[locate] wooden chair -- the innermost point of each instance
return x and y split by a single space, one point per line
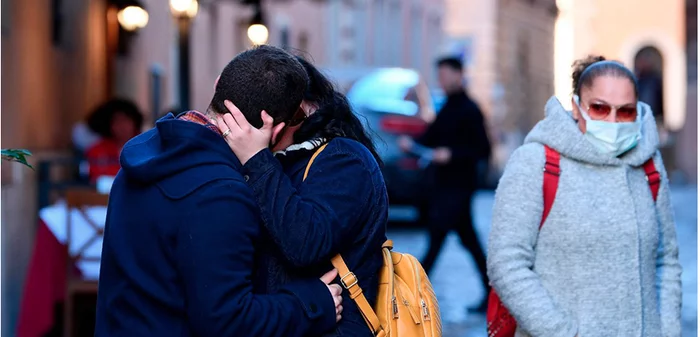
80 200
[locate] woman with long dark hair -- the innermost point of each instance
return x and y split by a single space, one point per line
334 116
338 206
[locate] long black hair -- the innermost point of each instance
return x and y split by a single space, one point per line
334 116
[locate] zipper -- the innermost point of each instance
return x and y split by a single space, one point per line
426 313
395 307
424 306
410 311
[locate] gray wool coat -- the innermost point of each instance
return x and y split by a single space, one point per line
606 260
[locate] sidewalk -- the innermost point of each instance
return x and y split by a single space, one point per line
455 273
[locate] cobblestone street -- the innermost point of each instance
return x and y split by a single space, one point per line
455 274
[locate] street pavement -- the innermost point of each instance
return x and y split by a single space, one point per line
457 284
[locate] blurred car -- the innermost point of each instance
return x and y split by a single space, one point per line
395 102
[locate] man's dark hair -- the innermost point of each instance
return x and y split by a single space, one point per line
452 62
262 78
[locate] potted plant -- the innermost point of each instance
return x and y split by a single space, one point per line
17 155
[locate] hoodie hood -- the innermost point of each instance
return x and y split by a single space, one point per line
174 146
559 131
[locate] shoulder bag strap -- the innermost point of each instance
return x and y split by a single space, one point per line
348 279
552 171
308 166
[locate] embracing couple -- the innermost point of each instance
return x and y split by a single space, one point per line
215 227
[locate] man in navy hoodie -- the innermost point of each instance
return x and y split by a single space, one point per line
182 226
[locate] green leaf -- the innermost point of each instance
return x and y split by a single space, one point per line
17 155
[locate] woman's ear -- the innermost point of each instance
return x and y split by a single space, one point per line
575 108
576 112
276 132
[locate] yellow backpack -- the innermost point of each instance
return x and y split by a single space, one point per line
406 303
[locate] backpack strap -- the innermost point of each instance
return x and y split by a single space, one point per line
552 171
653 177
348 279
550 184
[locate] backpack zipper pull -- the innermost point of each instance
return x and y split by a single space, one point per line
395 307
426 314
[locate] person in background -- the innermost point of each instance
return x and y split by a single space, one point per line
116 121
83 137
341 208
605 260
650 84
460 142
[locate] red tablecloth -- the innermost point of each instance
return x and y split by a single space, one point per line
45 285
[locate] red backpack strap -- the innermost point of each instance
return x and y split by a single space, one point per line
653 178
551 180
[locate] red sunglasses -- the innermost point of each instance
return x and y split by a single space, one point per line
624 113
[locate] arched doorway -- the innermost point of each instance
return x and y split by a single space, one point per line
649 68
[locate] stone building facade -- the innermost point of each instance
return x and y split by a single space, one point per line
509 53
349 38
61 61
624 29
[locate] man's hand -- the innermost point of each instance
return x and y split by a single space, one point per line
425 102
405 143
336 292
442 155
244 139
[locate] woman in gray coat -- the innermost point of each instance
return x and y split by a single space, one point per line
605 261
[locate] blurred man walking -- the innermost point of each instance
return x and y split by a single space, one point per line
460 144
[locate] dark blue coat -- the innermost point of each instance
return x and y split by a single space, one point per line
342 207
460 127
181 234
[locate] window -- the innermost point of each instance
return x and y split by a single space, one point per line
523 57
360 17
284 38
242 43
416 37
6 16
56 22
347 54
378 23
214 40
304 42
395 31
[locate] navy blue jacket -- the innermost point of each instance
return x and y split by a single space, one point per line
460 127
180 241
342 207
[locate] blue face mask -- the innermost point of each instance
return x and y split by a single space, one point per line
611 138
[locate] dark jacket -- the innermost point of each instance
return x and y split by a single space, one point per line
459 126
342 207
181 234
